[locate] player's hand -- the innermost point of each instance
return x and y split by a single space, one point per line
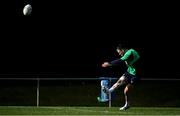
105 64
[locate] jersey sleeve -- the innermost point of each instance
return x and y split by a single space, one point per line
115 62
126 55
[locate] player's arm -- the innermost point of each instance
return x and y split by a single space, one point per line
117 61
114 62
123 58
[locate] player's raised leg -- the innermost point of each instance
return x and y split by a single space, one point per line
120 82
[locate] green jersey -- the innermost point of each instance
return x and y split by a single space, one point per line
130 57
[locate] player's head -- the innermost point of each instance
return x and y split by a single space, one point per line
121 49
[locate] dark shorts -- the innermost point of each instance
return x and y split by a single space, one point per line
131 79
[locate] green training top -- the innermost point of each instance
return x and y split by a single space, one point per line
130 57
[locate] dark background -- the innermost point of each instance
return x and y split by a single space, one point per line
73 38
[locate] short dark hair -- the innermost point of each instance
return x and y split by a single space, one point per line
122 46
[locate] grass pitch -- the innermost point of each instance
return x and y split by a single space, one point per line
26 110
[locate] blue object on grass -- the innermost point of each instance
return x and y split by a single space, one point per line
104 96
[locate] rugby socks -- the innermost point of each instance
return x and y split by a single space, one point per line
126 100
115 86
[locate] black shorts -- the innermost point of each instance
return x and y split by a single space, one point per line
131 79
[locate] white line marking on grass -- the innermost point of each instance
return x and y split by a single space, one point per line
47 107
88 110
105 112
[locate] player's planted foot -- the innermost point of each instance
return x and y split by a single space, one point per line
125 107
